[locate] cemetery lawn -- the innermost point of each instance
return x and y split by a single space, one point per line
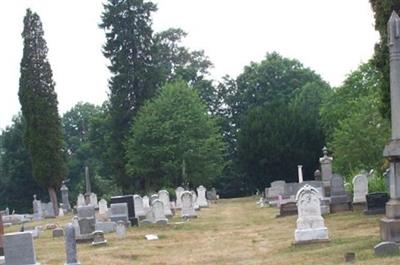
234 231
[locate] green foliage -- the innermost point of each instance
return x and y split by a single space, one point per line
377 184
357 132
171 130
17 184
382 10
43 133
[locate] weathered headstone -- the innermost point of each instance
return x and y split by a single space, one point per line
19 249
310 224
80 200
287 208
149 217
37 208
103 209
360 187
386 249
277 188
93 200
146 203
87 222
48 210
98 238
339 198
201 197
187 205
139 209
317 175
153 197
119 212
65 198
159 213
212 194
178 193
163 196
195 202
70 246
106 227
376 203
326 170
75 224
121 229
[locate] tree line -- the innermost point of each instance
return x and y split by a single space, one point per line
167 123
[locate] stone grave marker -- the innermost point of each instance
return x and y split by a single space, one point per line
195 202
326 169
129 200
159 213
106 227
48 210
287 208
81 200
187 205
103 209
163 196
98 238
360 187
93 200
70 246
75 224
65 198
310 224
139 209
87 222
19 249
146 203
376 203
58 232
153 197
201 197
178 193
121 229
37 208
119 212
339 199
149 218
386 249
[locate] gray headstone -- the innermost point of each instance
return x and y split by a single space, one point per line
121 229
70 246
386 248
119 212
65 198
201 197
98 238
360 187
106 227
187 205
18 249
163 196
326 167
58 232
139 209
158 211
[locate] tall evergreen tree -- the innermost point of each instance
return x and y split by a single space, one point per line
43 131
127 24
382 11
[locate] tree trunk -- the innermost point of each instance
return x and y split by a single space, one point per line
53 199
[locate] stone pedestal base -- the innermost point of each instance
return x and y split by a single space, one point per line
302 236
393 209
390 229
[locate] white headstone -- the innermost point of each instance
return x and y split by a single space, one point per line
93 200
146 203
120 229
201 197
360 187
178 193
139 210
103 207
187 205
310 224
163 196
81 200
195 202
158 211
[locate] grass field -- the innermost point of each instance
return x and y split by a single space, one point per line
233 231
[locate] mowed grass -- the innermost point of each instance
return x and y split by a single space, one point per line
233 231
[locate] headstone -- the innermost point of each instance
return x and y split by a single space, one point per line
390 224
93 200
310 224
163 196
277 188
119 212
19 249
159 213
287 208
339 199
195 202
360 187
326 169
121 229
75 224
58 232
87 222
212 194
376 203
178 193
98 238
300 173
70 246
201 197
60 212
106 227
37 208
48 210
317 175
81 200
139 209
153 198
103 208
187 205
149 217
1 235
146 203
386 249
128 199
65 198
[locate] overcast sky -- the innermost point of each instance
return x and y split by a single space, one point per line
330 37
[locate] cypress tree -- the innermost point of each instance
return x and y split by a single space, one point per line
129 41
43 133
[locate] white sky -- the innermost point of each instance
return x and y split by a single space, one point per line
330 37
